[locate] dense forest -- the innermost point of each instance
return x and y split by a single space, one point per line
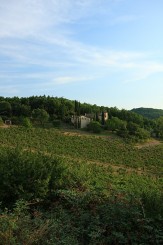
42 109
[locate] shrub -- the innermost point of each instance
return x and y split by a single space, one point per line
26 122
81 218
28 176
94 126
116 124
95 219
19 228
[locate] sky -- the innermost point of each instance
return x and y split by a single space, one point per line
103 52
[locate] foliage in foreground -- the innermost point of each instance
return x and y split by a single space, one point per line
27 175
79 219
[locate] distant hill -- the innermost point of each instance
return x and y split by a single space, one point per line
148 112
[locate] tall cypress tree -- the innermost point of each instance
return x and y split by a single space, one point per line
103 119
77 108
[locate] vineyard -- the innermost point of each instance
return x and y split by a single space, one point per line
109 189
105 150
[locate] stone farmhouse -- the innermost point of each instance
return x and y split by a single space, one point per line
80 121
83 121
105 116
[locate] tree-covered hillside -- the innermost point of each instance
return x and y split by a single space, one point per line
40 110
148 112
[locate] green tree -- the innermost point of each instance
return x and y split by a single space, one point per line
77 108
132 127
143 134
94 126
52 106
5 108
115 124
159 127
136 131
102 118
40 115
20 110
26 122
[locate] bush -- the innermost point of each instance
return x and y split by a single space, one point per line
142 133
93 218
116 124
28 176
94 126
19 228
90 218
26 122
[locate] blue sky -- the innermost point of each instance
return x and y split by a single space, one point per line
104 52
